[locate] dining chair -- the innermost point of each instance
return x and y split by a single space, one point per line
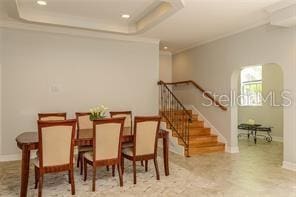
127 130
127 122
83 122
52 116
144 143
56 150
107 136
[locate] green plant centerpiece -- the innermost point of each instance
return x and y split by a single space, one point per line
98 112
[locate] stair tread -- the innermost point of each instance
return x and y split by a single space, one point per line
203 136
199 128
212 144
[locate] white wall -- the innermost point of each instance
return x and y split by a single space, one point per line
267 115
48 72
165 66
213 66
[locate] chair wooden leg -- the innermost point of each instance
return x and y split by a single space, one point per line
134 172
107 168
69 177
78 159
113 170
122 165
142 163
146 165
40 185
36 177
85 168
81 165
120 175
156 168
94 179
72 182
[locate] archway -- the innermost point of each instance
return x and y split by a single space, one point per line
277 70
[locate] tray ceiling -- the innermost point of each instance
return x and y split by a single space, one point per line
102 15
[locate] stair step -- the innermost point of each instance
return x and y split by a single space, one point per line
199 131
194 117
196 132
177 112
200 141
196 123
207 148
193 124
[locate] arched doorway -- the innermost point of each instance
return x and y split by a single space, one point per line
267 114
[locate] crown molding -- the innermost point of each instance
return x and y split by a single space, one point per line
196 44
168 53
154 12
280 5
74 32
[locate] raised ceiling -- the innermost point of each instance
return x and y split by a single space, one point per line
202 21
102 15
180 25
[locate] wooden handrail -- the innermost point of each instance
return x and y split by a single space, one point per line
202 90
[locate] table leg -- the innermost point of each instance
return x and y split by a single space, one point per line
165 141
25 170
269 138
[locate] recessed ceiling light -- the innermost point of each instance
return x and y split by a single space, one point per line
165 48
42 2
125 16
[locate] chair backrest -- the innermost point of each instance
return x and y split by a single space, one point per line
107 138
145 135
56 142
52 116
83 121
126 114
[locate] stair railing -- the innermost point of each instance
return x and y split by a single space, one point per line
175 114
217 103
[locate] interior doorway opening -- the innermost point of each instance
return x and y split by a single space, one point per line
260 106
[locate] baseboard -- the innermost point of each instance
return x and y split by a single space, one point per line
277 139
17 157
221 138
231 149
274 138
289 165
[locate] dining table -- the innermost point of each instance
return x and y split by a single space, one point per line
28 141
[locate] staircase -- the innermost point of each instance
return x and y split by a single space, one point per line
186 126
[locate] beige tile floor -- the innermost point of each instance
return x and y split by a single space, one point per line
255 171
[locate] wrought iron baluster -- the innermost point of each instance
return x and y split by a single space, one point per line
175 114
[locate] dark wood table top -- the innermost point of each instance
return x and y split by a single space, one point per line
30 139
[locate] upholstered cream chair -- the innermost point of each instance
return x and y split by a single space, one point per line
107 135
145 143
127 130
52 116
56 150
83 124
127 122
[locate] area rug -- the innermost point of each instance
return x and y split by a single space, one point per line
177 183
